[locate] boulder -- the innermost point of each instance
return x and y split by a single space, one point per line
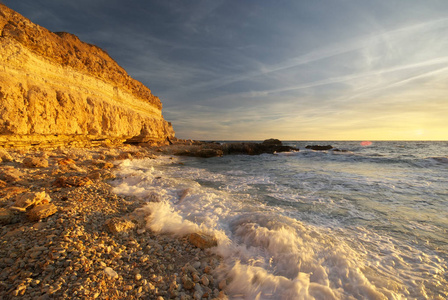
119 224
5 156
35 162
11 191
105 165
26 200
72 181
110 273
11 174
41 211
202 240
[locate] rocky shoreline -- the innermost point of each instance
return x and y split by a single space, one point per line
85 242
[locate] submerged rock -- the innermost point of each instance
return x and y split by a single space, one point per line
204 153
202 241
272 142
319 148
256 148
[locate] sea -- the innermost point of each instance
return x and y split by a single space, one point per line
369 222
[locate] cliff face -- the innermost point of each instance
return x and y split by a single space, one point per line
56 89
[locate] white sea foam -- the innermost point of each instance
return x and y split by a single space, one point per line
268 252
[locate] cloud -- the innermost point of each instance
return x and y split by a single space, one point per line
332 68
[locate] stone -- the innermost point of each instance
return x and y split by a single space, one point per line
319 147
26 200
187 282
205 281
11 191
58 90
41 211
65 161
70 181
105 165
119 224
11 174
222 284
5 156
110 273
8 216
124 155
35 162
202 241
197 295
222 296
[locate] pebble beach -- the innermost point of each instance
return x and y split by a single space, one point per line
65 235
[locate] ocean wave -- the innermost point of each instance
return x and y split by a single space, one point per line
440 159
267 252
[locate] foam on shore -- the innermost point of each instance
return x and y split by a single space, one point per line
268 255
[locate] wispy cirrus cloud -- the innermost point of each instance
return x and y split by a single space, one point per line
251 68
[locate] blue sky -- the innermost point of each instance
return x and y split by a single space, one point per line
294 70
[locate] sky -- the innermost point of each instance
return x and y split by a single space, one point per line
286 69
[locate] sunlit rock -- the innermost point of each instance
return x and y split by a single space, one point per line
57 90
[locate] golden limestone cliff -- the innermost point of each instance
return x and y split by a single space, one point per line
58 90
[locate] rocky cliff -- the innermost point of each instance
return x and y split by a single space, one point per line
58 90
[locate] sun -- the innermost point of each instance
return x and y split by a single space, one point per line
419 132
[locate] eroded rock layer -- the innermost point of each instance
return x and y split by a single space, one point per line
56 89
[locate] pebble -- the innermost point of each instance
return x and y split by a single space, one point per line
204 280
72 254
222 284
187 282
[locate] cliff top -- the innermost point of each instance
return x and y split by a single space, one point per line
68 50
